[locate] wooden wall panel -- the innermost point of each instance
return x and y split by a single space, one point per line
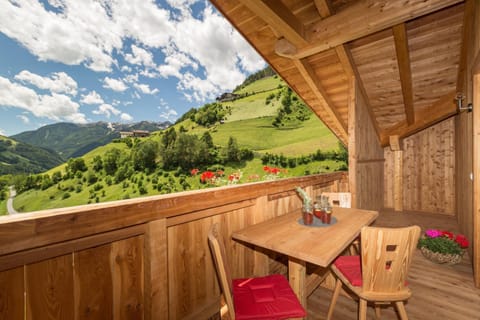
93 284
49 288
428 170
12 299
156 279
365 157
127 265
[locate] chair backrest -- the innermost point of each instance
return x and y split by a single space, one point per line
217 246
386 257
339 199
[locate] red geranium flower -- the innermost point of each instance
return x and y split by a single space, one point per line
194 172
462 241
447 234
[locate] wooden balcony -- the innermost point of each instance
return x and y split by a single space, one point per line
148 258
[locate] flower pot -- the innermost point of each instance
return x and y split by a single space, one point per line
307 218
442 258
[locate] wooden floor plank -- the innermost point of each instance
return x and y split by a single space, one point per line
439 291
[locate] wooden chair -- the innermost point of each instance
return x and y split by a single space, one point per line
343 200
379 275
269 297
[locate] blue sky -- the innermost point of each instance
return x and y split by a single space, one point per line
114 60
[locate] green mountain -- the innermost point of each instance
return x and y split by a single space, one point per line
263 125
18 157
71 140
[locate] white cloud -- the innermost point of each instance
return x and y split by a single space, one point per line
144 21
92 98
209 42
55 106
58 82
126 117
2 132
83 33
114 84
24 118
131 78
174 62
126 69
140 56
145 88
107 110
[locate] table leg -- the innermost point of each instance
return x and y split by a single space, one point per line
297 279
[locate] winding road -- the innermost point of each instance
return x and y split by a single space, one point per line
10 208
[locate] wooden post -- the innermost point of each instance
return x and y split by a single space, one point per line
398 173
352 150
476 177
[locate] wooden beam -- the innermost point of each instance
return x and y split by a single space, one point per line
476 179
467 37
442 109
363 92
311 78
280 18
403 60
323 7
395 143
363 18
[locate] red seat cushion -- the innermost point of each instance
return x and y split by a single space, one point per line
269 297
351 268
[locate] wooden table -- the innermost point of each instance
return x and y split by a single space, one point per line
302 244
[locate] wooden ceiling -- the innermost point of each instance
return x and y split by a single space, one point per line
407 57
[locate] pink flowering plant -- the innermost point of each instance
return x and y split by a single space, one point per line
444 242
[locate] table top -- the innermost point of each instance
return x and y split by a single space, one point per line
319 246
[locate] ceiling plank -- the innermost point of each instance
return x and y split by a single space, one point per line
362 18
311 78
466 40
280 18
439 111
403 60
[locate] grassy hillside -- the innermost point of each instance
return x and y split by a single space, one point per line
18 157
249 122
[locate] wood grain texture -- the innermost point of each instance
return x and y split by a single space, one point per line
12 299
93 283
156 280
428 171
368 175
126 258
49 289
476 175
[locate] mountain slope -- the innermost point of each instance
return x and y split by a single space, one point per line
18 157
71 140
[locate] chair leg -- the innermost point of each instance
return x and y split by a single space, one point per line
362 310
401 310
336 293
377 312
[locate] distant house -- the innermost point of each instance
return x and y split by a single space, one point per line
134 134
228 96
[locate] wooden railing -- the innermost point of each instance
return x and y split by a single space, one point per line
144 258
